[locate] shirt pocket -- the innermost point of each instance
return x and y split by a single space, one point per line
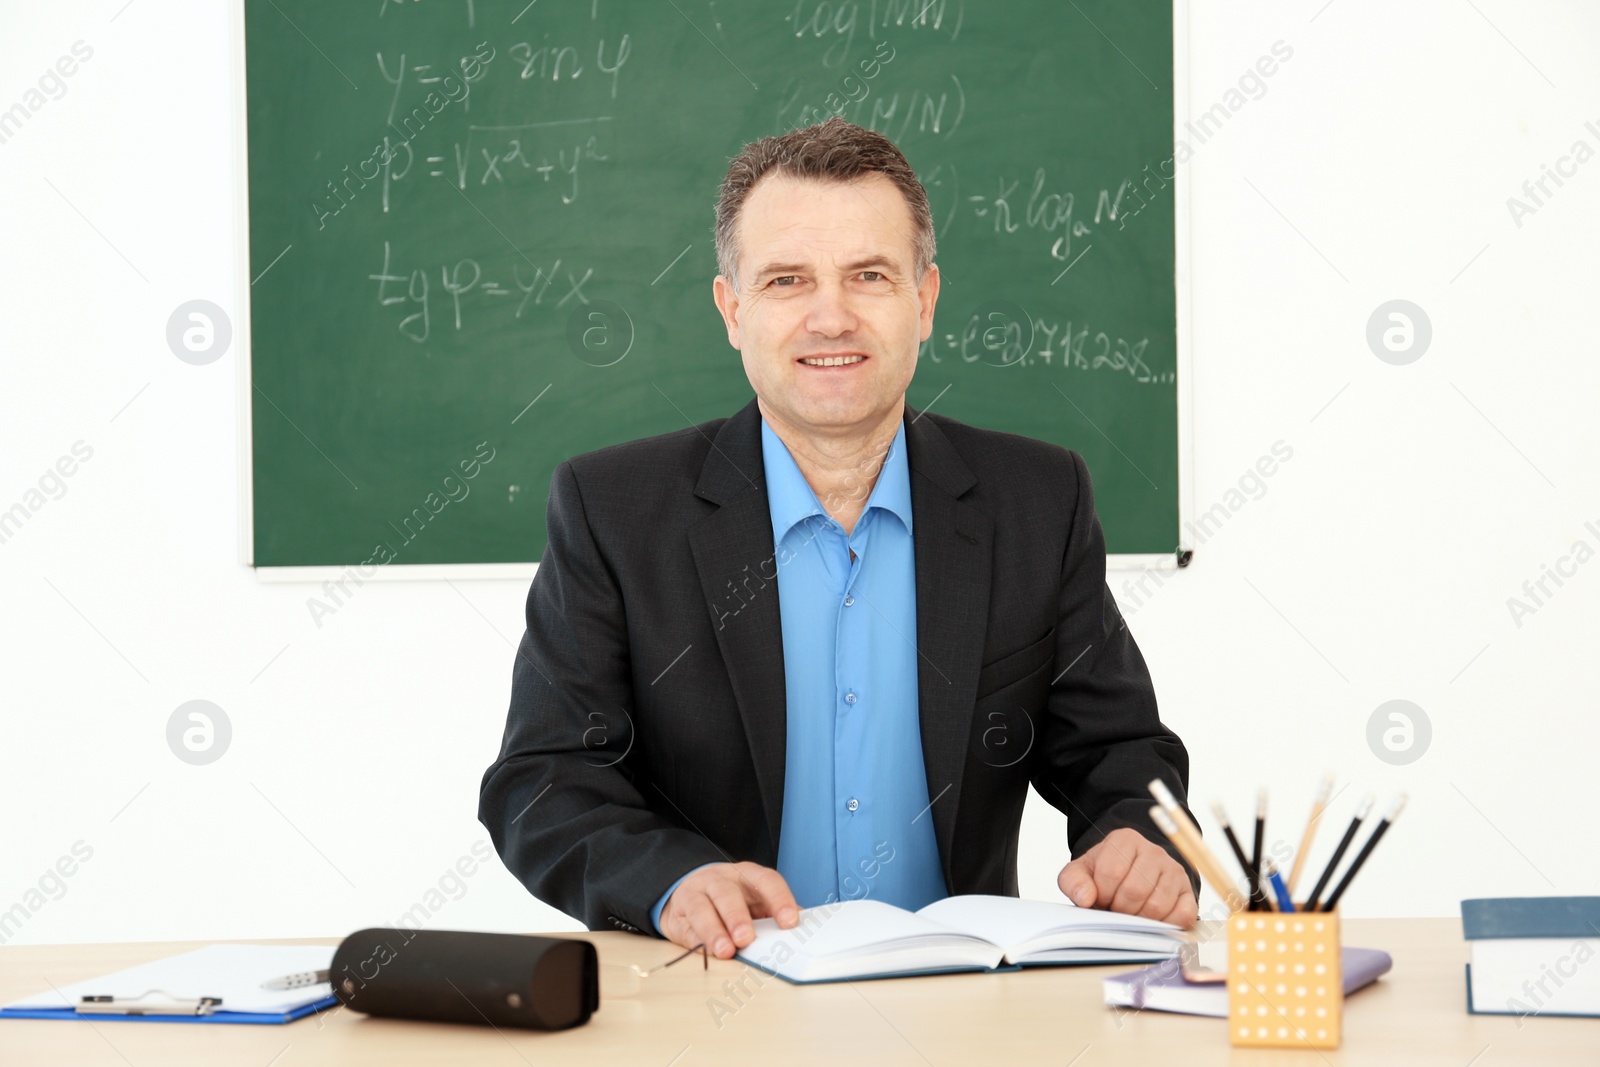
1014 666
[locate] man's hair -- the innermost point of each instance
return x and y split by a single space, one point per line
836 151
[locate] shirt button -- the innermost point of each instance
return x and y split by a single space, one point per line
852 804
849 601
850 698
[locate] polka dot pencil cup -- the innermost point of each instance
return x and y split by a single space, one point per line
1285 984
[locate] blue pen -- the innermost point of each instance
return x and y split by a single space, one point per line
1279 890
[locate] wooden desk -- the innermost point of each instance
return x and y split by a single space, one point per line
1415 1016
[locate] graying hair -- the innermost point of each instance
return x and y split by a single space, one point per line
835 150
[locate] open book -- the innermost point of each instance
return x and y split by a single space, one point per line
871 939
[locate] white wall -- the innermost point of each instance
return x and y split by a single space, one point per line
1377 564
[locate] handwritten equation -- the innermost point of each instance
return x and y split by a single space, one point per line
1047 213
1008 340
413 290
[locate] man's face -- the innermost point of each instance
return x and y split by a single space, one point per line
827 269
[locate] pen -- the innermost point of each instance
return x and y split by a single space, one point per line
1199 857
1281 891
1338 854
296 981
1233 842
1209 866
1318 806
1366 850
1255 855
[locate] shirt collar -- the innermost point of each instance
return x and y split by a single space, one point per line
790 497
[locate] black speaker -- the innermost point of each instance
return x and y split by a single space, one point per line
538 983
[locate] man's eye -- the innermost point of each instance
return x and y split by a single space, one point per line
785 278
872 275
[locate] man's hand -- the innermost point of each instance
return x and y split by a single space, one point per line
714 906
1126 872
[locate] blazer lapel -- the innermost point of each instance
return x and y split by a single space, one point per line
734 552
953 545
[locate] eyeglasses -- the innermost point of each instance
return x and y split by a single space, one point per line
624 979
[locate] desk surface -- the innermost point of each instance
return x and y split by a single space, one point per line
1416 1015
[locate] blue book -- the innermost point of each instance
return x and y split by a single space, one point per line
1533 955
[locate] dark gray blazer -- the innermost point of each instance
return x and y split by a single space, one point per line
646 732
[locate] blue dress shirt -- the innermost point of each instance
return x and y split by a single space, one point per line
856 819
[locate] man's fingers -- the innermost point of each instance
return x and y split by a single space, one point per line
1077 881
1186 910
1133 892
1170 886
704 926
728 897
1117 880
768 894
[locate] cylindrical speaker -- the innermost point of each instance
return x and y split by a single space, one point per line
538 983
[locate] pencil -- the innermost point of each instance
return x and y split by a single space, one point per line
1366 850
1219 874
1255 855
1338 854
1318 806
1199 857
1238 850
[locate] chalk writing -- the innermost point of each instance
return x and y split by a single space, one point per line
1008 344
414 290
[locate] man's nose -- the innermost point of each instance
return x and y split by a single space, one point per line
832 311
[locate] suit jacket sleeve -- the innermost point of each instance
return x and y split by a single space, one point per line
1103 739
560 802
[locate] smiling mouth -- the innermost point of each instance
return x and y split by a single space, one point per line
834 361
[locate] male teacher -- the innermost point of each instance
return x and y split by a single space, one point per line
817 651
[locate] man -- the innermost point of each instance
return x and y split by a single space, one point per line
819 650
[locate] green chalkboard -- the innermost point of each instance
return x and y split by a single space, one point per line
444 193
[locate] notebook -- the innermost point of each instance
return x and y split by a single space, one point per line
1163 987
868 938
1533 955
233 973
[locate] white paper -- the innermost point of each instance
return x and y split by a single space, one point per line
232 972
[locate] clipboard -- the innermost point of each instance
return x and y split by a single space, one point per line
215 984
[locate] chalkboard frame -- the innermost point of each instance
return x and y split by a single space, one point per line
1166 562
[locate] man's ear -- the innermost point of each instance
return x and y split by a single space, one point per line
726 297
928 297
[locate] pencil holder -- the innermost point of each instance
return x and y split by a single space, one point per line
1285 983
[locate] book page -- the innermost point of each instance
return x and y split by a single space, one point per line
1011 922
861 937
